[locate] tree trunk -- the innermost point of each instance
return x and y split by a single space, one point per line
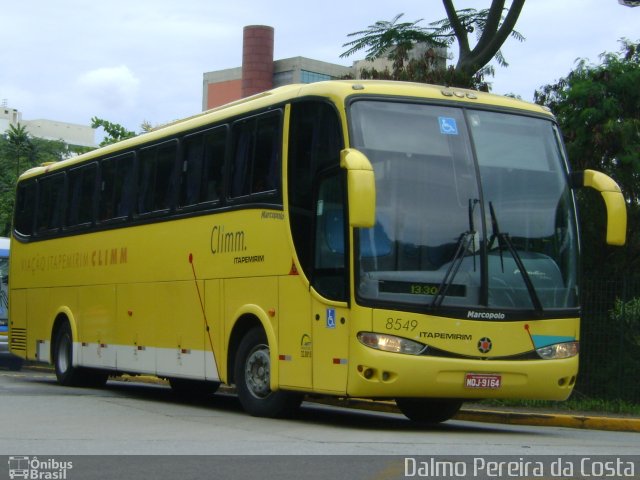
493 36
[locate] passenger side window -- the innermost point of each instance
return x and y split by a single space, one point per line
82 192
25 208
50 203
116 187
202 164
256 162
156 173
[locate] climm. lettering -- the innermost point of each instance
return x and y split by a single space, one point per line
226 242
112 256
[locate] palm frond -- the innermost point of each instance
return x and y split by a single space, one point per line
384 36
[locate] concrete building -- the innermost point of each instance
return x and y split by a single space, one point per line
70 133
8 116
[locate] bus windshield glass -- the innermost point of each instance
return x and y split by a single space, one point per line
473 209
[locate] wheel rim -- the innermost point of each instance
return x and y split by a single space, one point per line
258 371
64 354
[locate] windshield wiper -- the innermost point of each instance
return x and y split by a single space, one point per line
505 241
465 241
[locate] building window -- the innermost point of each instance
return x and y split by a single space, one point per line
310 77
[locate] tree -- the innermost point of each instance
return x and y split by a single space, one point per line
114 131
19 152
396 40
598 109
20 145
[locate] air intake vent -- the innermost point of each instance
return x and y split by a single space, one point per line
18 339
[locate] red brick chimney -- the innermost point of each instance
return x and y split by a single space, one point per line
257 59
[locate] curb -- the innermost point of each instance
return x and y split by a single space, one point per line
615 424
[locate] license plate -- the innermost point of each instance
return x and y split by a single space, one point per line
482 380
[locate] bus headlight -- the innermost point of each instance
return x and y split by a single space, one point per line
390 343
559 350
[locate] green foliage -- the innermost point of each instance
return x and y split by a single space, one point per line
384 37
425 69
598 108
576 404
626 317
16 155
114 131
397 39
19 152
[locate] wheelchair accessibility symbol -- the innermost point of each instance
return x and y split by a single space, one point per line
448 126
331 318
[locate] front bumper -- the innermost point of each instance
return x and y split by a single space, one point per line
378 374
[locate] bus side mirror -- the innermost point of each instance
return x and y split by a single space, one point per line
361 188
613 200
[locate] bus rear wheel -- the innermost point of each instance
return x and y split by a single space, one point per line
67 374
428 411
253 376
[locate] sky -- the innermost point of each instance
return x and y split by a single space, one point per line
130 61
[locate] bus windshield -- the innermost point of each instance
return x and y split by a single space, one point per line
473 209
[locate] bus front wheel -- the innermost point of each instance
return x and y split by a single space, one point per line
423 410
253 376
66 373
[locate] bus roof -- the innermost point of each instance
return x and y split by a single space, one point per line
338 90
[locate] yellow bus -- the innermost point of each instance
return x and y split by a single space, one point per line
356 239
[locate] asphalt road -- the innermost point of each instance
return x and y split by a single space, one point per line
143 430
40 417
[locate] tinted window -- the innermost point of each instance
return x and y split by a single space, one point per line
25 208
117 176
50 203
256 163
329 273
82 192
315 142
203 160
156 175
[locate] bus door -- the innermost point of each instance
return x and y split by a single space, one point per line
329 307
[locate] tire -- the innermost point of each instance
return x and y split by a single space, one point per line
428 411
193 388
252 370
66 373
